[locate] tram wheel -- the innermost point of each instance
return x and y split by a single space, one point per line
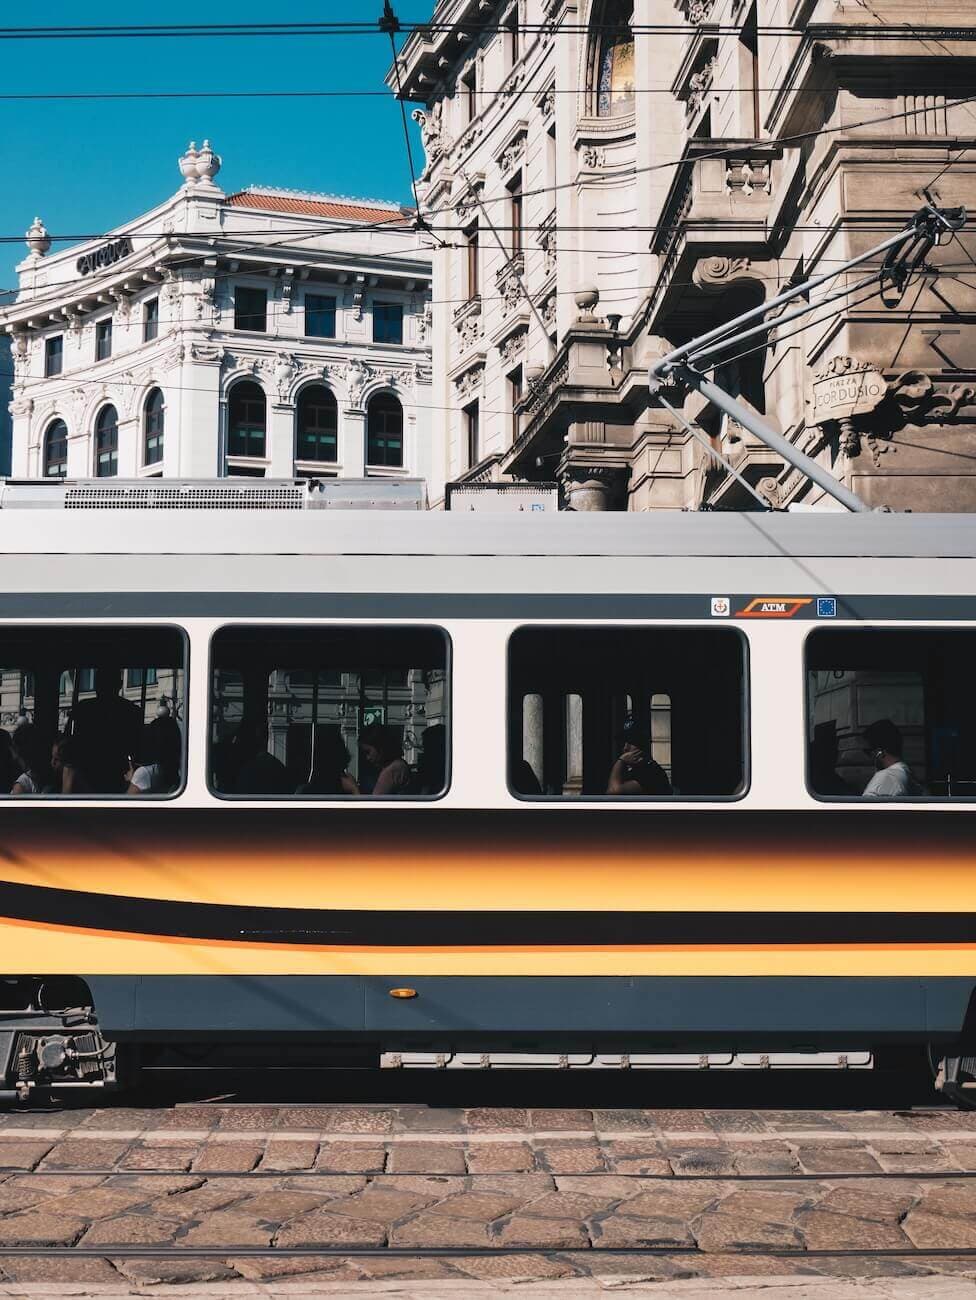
955 1078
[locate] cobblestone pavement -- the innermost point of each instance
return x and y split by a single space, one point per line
690 1202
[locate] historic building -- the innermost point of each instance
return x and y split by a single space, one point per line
266 333
614 177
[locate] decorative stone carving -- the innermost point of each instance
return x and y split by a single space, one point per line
470 382
547 242
509 284
512 154
209 352
431 133
921 401
422 373
593 157
592 487
747 175
123 305
22 406
468 323
547 104
715 274
424 324
200 166
547 309
357 376
285 369
513 346
467 202
38 240
586 300
699 84
206 304
845 387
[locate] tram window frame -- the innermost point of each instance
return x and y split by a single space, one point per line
635 800
859 799
313 800
68 626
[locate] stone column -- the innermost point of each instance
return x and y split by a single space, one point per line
281 440
192 432
352 443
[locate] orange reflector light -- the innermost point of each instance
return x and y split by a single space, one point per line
403 993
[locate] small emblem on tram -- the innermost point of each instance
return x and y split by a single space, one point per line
721 607
826 607
774 606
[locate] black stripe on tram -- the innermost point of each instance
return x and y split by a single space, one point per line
421 929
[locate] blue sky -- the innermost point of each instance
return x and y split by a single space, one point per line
86 166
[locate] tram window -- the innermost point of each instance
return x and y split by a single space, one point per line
329 712
627 712
891 713
92 712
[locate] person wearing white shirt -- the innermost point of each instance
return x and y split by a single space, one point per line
893 778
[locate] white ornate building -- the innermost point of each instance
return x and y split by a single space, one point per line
614 177
266 333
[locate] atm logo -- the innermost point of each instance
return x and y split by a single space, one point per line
774 606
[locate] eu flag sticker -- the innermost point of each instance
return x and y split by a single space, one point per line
826 607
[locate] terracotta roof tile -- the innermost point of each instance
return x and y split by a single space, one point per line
308 206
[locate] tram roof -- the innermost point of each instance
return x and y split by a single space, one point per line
663 534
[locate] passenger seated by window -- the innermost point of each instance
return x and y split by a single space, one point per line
329 775
382 750
893 777
66 775
108 732
432 767
158 768
253 770
31 752
634 772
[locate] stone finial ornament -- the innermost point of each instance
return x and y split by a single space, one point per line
200 166
38 240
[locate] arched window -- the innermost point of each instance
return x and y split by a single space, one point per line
247 420
153 428
107 443
613 70
384 431
55 451
317 425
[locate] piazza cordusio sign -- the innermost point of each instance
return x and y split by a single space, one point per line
105 255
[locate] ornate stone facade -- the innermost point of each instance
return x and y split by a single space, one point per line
193 300
741 164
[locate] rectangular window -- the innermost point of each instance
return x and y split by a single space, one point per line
54 355
515 387
891 713
250 309
472 433
627 713
320 316
516 209
469 94
102 710
749 74
103 340
329 712
472 260
387 322
150 320
512 42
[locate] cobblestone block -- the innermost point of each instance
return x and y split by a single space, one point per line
566 1204
277 1205
939 1231
774 1206
258 1268
427 1270
719 1232
426 1158
498 1158
573 1158
831 1158
962 1154
869 1201
647 1232
609 1187
824 1231
736 1121
289 1155
796 1121
39 1228
703 1160
172 1156
526 1186
229 1157
85 1154
765 1158
551 1120
353 1119
351 1158
228 1228
174 1272
201 1200
240 1119
98 1202
675 1200
132 1230
22 1155
916 1162
332 1185
646 1121
484 1206
495 1119
382 1204
433 1230
188 1117
116 1117
514 1268
63 1272
553 1234
954 1199
322 1228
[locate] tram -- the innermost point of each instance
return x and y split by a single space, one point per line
442 787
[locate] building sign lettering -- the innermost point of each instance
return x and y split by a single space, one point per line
846 387
105 255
